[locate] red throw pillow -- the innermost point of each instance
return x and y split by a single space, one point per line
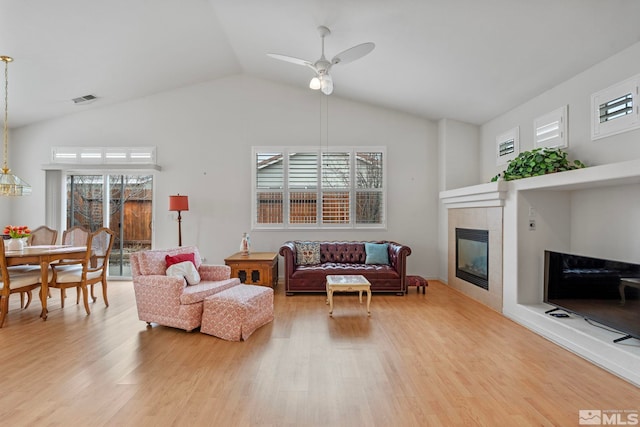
170 260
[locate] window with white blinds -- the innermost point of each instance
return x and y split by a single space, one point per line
369 184
615 109
269 184
507 146
104 155
297 187
550 130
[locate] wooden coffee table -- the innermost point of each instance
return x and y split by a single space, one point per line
347 283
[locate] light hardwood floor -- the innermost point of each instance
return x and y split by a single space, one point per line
438 359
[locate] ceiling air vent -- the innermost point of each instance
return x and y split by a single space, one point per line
84 99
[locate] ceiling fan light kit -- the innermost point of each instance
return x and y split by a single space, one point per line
322 80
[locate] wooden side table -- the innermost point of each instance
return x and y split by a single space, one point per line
257 268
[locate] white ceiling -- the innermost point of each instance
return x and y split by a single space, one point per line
469 60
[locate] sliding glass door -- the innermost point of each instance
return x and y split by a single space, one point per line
123 203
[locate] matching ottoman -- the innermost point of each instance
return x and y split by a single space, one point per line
237 312
418 282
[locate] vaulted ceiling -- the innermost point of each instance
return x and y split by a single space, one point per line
468 60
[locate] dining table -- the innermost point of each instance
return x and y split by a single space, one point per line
44 255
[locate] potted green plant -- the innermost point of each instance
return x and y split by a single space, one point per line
539 161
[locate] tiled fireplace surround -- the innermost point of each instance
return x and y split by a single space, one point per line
480 218
516 254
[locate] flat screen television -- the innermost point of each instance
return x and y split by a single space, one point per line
605 291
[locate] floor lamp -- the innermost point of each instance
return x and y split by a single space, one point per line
179 203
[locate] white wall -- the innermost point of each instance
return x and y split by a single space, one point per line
605 222
204 134
576 93
459 151
602 221
458 166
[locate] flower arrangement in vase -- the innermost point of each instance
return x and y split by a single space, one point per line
18 234
17 231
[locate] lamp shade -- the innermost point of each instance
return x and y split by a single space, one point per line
178 203
11 185
326 84
314 83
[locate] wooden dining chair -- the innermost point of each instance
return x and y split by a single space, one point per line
87 272
17 279
74 236
42 235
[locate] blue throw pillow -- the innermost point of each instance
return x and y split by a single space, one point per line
377 253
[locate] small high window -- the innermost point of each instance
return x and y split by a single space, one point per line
615 109
104 155
550 130
507 146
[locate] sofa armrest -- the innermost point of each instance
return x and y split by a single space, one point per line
158 290
214 273
288 252
398 259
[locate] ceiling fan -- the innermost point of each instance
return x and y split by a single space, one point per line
322 80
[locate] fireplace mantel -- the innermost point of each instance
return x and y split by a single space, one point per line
494 193
579 179
478 196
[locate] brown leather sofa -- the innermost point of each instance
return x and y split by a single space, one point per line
345 258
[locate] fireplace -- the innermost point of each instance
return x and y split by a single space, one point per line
472 256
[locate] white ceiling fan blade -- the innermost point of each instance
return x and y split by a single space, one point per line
353 53
291 59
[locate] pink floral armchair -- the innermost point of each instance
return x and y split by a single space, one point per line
168 300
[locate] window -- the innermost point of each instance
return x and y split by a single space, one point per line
314 188
120 202
104 186
550 130
507 146
103 155
615 110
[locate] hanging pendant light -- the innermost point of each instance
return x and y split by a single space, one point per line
10 185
